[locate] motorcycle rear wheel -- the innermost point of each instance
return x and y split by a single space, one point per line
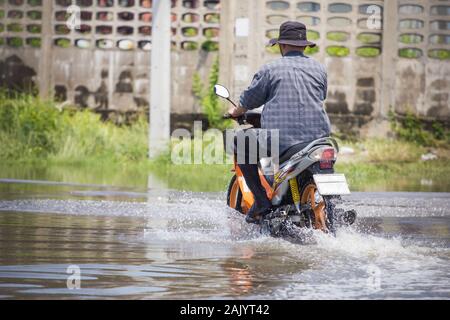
322 215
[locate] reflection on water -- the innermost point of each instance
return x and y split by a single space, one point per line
123 176
149 242
178 247
120 256
195 178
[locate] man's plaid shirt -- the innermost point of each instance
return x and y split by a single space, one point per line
292 90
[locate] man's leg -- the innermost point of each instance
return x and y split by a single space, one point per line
249 168
262 204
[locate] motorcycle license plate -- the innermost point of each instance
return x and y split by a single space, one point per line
331 184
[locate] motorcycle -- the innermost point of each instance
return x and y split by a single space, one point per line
304 190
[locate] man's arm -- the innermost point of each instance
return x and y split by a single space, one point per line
254 96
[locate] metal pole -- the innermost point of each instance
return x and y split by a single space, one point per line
159 131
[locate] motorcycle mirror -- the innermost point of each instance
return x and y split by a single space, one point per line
221 91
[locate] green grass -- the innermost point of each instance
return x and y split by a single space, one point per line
362 176
34 15
34 42
190 45
384 150
440 54
189 32
312 35
411 38
15 27
368 52
35 28
212 18
210 46
397 176
64 43
393 165
36 135
338 36
15 42
410 53
308 51
32 129
40 141
311 50
369 38
338 51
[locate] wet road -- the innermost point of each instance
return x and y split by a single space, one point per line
164 244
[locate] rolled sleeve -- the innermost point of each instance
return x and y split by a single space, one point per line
256 94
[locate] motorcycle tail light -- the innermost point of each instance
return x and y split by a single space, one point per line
326 157
326 164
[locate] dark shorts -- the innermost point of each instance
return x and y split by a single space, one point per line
250 145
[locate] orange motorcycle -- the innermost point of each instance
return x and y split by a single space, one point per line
304 189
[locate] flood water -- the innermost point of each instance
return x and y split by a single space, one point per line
134 243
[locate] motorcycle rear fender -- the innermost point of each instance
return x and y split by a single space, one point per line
305 168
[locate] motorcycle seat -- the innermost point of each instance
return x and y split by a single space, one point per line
296 148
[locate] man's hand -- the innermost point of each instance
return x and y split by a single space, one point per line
236 112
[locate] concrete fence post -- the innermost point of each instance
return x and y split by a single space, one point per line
159 131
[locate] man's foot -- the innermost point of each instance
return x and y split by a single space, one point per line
252 219
255 216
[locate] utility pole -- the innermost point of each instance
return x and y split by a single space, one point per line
46 57
389 56
159 131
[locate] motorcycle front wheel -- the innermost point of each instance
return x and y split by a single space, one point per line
234 195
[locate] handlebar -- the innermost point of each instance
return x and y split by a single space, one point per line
240 119
252 118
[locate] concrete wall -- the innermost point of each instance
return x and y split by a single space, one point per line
362 90
83 70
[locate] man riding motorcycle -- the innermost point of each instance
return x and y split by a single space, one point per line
292 90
